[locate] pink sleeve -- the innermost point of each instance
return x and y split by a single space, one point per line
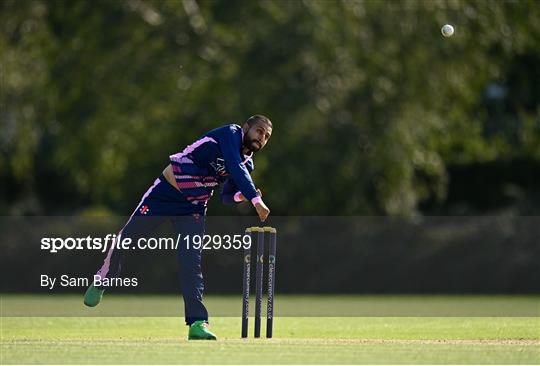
238 197
256 200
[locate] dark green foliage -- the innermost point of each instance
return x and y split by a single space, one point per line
373 109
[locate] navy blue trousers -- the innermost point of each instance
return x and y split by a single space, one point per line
160 203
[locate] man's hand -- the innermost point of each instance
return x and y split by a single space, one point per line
242 198
262 210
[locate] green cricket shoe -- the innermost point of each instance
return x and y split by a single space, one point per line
93 296
199 331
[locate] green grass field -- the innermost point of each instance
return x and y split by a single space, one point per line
85 339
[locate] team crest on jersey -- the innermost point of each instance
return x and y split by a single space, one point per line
144 210
219 167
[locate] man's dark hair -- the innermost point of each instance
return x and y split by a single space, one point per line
253 120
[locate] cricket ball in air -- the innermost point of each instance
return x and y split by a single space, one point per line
447 30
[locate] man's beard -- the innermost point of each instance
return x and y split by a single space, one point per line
251 144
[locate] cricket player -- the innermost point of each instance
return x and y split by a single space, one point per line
180 194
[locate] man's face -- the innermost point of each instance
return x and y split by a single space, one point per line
257 136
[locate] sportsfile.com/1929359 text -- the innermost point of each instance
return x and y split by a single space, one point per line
198 242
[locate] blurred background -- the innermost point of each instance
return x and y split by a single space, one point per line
374 112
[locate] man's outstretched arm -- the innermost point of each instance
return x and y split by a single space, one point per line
230 143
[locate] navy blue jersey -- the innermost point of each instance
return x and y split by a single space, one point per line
213 159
